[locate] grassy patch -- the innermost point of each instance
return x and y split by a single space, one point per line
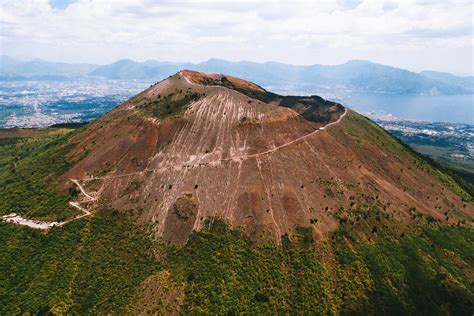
226 273
414 274
172 104
28 177
92 265
363 129
104 264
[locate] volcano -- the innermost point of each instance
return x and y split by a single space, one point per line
207 194
197 146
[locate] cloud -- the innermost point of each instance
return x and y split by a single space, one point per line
444 32
299 32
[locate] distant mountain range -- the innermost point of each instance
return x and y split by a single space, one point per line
466 82
12 67
356 75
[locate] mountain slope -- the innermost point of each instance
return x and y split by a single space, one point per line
122 69
465 82
194 147
213 195
38 67
129 69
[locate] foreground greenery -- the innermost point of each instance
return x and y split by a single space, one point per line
419 273
88 266
28 176
363 128
96 265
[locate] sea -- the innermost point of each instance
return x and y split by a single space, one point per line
444 108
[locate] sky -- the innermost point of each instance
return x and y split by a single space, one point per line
411 34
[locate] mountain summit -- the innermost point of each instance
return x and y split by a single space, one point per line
200 146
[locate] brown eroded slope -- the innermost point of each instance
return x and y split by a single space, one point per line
198 146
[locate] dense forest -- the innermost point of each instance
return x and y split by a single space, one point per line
106 264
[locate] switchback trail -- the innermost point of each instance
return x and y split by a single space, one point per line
16 219
19 220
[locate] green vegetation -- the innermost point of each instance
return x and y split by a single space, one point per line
419 273
316 109
422 272
363 129
92 265
331 187
28 176
459 169
441 151
97 265
72 125
463 177
132 187
169 105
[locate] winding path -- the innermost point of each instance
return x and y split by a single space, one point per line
89 197
214 162
16 219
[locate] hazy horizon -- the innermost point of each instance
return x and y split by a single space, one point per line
31 58
413 35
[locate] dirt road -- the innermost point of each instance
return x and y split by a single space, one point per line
19 220
16 219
